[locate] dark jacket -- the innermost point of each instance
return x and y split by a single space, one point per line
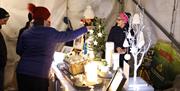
70 43
22 30
36 48
117 35
3 53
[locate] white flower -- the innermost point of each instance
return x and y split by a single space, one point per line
95 42
91 31
99 34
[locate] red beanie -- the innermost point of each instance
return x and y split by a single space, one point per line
38 13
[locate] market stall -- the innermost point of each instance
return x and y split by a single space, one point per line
114 81
76 80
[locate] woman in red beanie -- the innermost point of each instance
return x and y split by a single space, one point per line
36 47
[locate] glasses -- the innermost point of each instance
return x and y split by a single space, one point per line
119 19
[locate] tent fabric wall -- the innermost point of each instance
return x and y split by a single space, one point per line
58 8
162 11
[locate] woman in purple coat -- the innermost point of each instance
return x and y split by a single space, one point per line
36 47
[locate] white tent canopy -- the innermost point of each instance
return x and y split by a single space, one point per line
161 10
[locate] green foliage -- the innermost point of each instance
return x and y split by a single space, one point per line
121 5
99 28
165 65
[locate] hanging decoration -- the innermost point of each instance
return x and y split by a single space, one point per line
136 19
126 44
139 44
127 56
140 39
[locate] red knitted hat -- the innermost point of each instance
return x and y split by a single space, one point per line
38 13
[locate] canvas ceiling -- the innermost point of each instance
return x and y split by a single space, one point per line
162 11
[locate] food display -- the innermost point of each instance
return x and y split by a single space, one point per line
75 64
81 81
103 70
78 70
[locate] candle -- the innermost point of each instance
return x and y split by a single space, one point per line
109 52
91 71
115 58
91 54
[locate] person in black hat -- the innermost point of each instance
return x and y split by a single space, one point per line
28 24
4 16
69 28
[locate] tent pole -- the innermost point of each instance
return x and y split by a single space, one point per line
159 26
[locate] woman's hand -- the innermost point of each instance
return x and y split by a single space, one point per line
121 50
